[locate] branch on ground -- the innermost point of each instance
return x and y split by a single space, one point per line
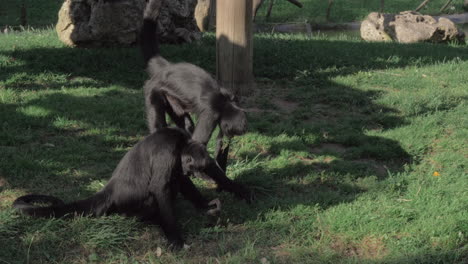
424 3
295 2
445 6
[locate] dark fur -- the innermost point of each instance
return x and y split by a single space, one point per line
179 89
145 184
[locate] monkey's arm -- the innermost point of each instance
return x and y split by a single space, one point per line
221 154
224 183
190 192
207 121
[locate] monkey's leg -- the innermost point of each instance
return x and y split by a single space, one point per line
167 217
180 120
156 111
189 125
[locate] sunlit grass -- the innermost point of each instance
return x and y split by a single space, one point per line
345 139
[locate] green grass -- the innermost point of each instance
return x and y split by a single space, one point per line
344 138
39 13
43 13
314 11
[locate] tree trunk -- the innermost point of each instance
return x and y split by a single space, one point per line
256 4
327 16
234 45
203 14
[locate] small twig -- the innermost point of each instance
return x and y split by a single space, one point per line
445 6
421 5
404 200
29 249
382 5
270 7
389 73
295 2
23 17
5 261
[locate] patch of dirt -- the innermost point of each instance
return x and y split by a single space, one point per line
369 248
286 106
201 250
379 169
281 251
328 148
323 112
372 248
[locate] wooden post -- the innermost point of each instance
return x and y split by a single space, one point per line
234 45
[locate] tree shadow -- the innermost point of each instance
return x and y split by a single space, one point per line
344 113
75 67
64 136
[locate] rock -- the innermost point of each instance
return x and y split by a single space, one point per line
94 23
176 23
100 23
375 26
409 27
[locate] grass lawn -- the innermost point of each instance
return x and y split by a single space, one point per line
43 13
357 152
314 11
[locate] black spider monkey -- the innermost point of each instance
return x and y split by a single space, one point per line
179 89
145 184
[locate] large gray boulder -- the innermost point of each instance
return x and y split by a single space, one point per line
100 23
176 22
409 27
93 23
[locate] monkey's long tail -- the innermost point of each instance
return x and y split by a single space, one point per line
95 205
149 42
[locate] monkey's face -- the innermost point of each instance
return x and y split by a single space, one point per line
233 121
194 157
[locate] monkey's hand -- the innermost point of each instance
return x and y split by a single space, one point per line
246 194
215 206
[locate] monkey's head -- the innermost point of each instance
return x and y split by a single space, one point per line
233 120
194 157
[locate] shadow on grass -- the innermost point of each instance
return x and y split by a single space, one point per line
73 132
275 57
43 157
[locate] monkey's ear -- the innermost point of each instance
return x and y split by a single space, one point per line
188 160
232 97
187 164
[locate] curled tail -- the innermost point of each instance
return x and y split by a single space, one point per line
95 205
149 41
